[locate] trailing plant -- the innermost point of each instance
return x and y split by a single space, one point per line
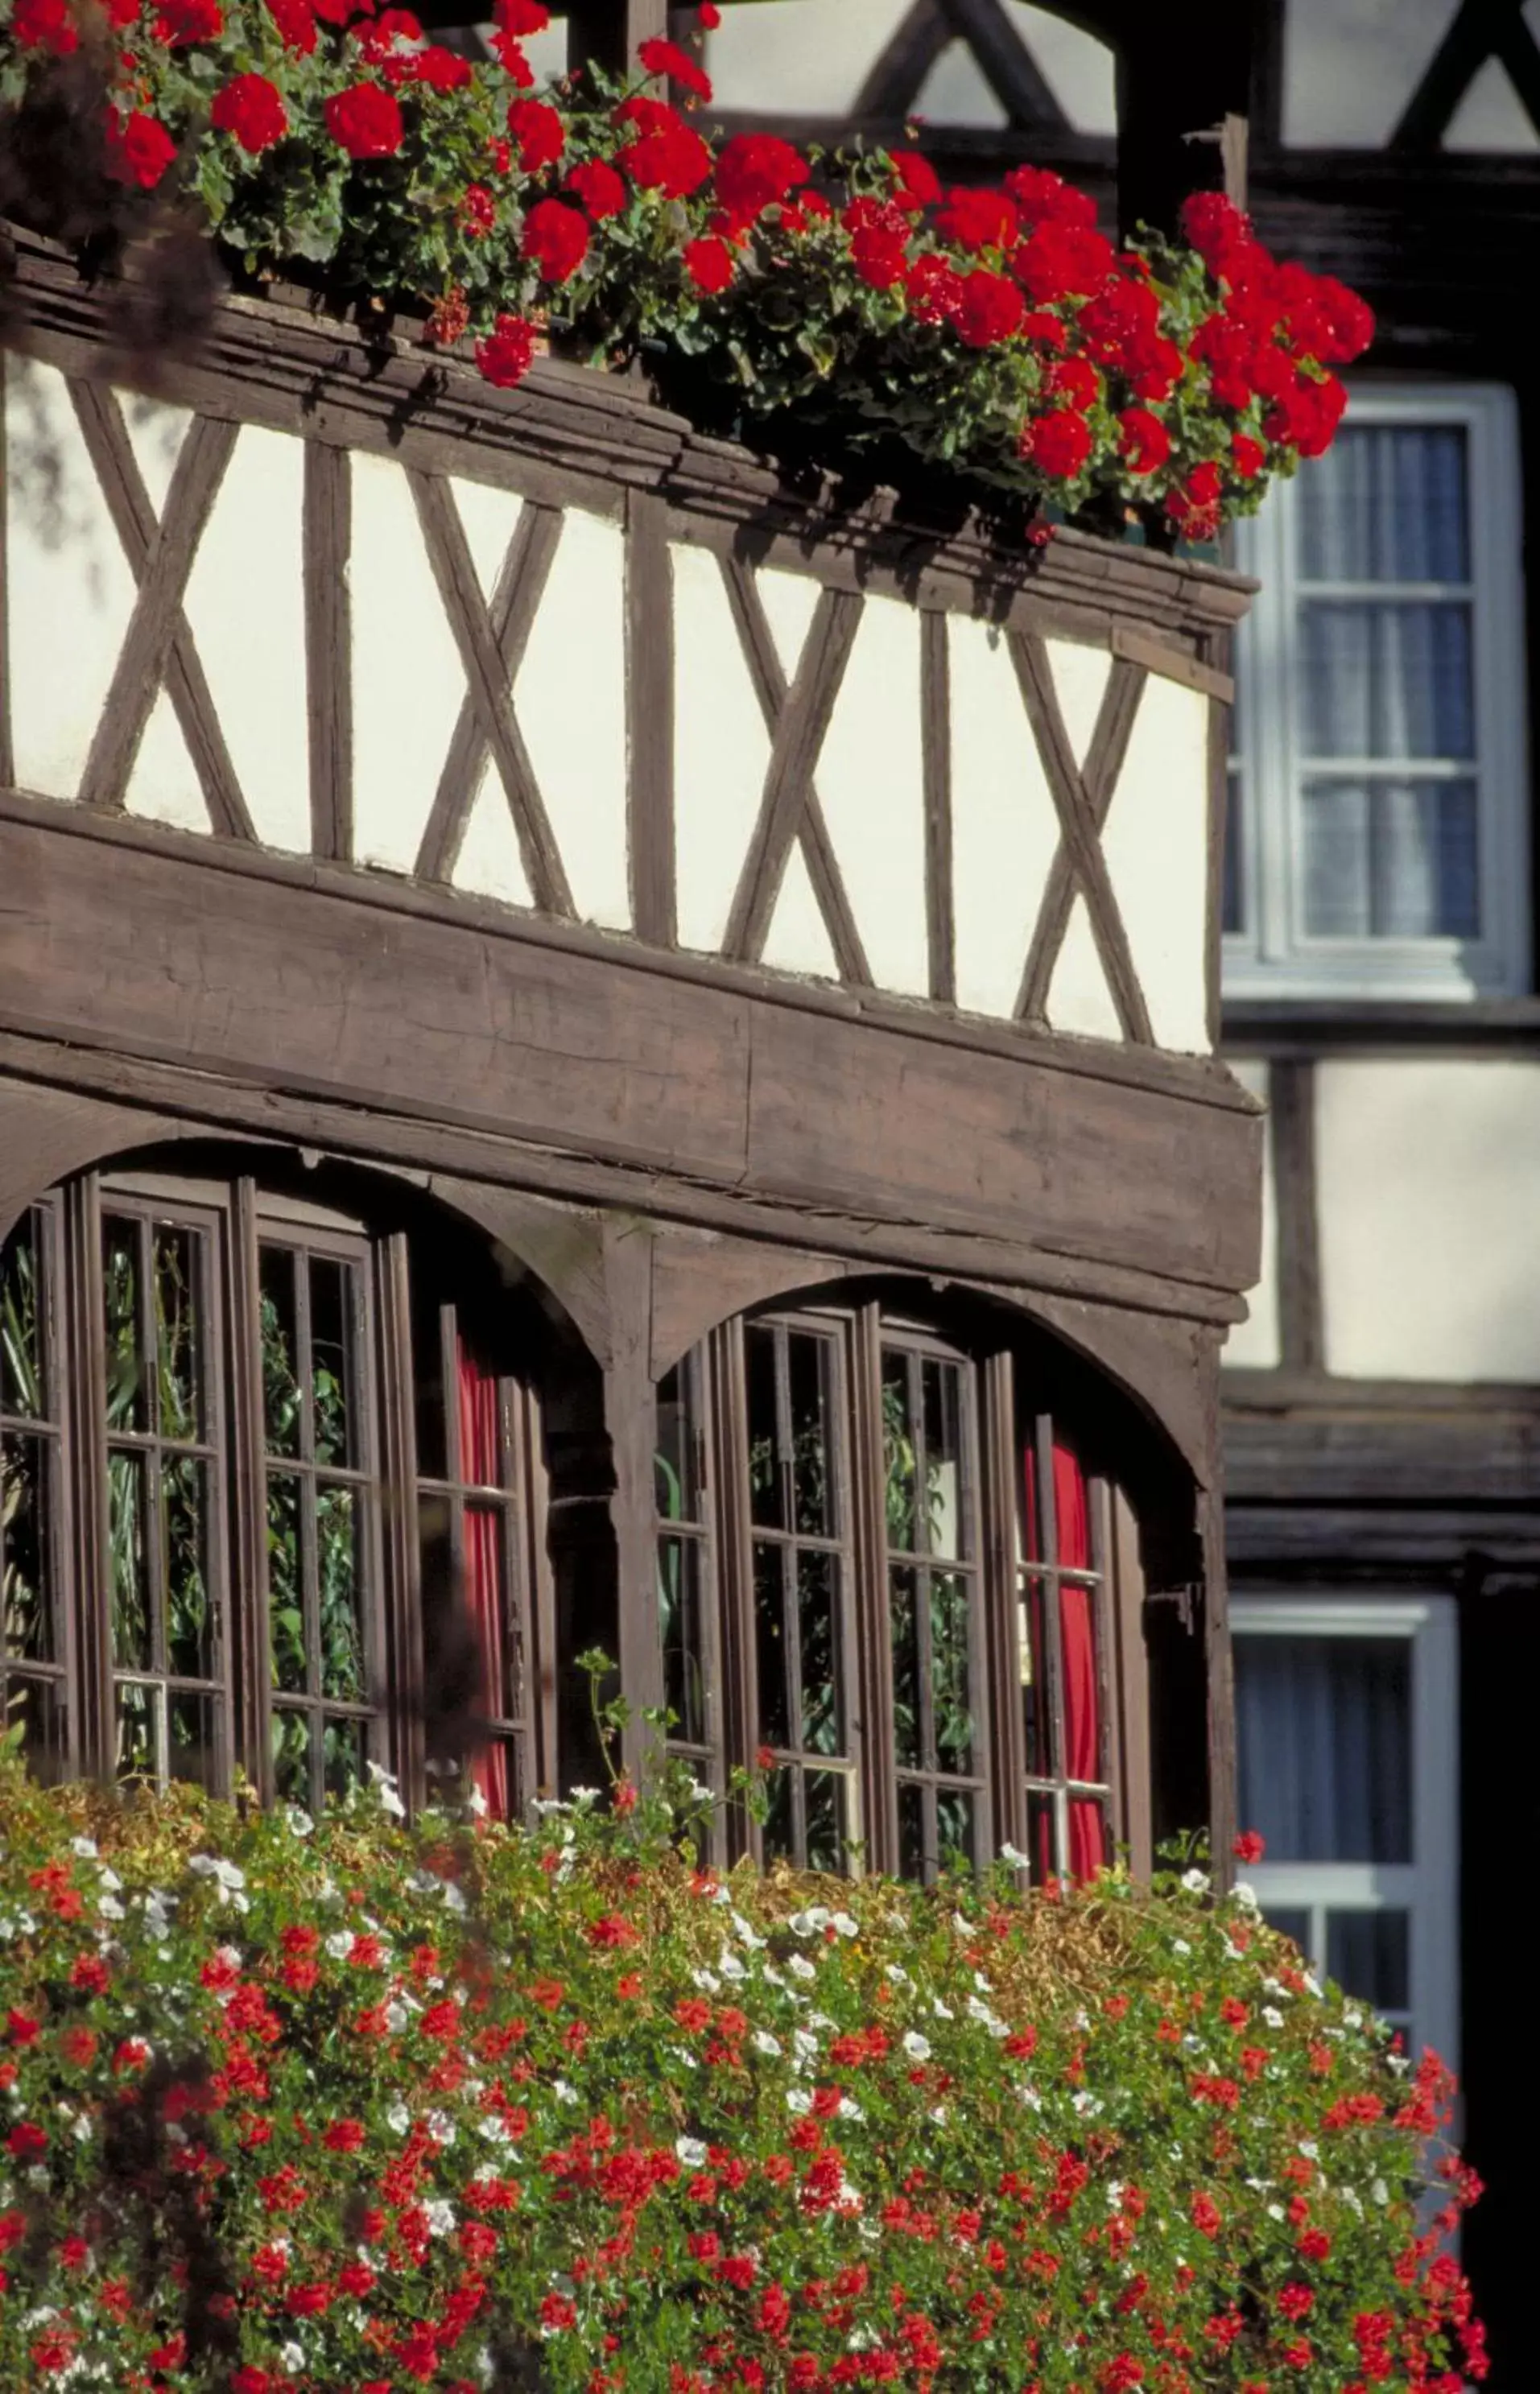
845 299
294 2107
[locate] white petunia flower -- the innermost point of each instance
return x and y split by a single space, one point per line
916 2045
1195 1881
85 1847
441 2217
1017 1861
844 1926
939 2008
799 2101
849 2109
1272 2015
442 2127
564 2091
707 1984
691 2153
800 1967
298 1820
763 2042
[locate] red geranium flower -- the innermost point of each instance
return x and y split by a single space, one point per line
661 58
670 158
556 237
440 69
252 108
476 214
977 221
182 22
1044 198
365 120
1145 442
915 181
520 17
989 310
708 263
539 133
296 23
46 25
598 187
755 171
139 150
1058 444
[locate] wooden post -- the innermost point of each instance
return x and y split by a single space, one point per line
630 1412
610 32
1183 93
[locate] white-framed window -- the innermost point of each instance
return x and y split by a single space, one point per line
1347 1734
1378 839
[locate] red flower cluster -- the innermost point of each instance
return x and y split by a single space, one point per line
365 120
251 109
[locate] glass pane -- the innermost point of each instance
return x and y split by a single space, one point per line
950 1676
119 1278
339 1581
36 1707
26 1610
1324 1735
1090 1847
486 1599
683 1630
823 1792
21 1373
281 1395
177 1332
1390 860
1084 1727
189 1601
1369 1955
131 1624
767 1499
810 1367
341 1755
1386 680
911 1831
903 1616
138 1743
1043 1837
899 1452
1291 1922
1232 914
291 1757
286 1585
1032 1648
955 1828
771 1646
946 1529
817 1623
480 1398
332 1360
1387 503
675 1462
780 1827
193 1748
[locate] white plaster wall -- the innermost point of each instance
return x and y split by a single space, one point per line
70 590
571 705
870 783
797 939
1003 827
720 751
1253 1345
1428 1173
1155 841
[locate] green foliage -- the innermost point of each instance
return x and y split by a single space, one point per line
320 2106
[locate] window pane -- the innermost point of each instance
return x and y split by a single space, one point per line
179 1333
1386 680
194 1751
818 1627
675 1464
912 1832
1369 1954
281 1397
1294 1925
1324 1731
331 1361
339 1580
1387 503
121 1292
1391 859
950 1674
810 1363
900 1453
341 1755
22 1366
770 1645
1043 1837
137 1745
291 1757
38 1709
286 1585
481 1419
766 1495
903 1616
956 1837
1079 1648
683 1631
1032 1646
189 1607
27 1632
1233 903
946 1528
825 1795
131 1623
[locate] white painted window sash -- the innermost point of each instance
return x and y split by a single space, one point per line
1429 1887
1273 955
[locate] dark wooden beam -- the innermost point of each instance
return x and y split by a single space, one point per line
608 33
1182 99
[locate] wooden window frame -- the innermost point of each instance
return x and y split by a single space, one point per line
991 1485
1272 955
51 1428
237 1220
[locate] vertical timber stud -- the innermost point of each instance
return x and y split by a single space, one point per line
650 718
610 32
329 648
630 1415
8 753
1220 1675
1182 102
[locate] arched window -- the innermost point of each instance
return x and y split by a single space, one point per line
893 1574
247 1440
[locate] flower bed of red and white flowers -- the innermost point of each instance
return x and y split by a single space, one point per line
996 331
355 2107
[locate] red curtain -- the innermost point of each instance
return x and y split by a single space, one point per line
1077 1629
480 1465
